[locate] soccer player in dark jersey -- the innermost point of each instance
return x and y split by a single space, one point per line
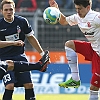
13 30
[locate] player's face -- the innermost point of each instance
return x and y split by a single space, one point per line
8 12
82 11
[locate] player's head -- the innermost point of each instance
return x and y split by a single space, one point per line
82 7
8 9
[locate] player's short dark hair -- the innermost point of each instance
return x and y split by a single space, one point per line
7 2
84 3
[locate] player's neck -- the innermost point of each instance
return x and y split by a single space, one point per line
9 21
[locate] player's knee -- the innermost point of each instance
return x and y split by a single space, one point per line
9 61
10 64
70 44
10 86
94 88
28 85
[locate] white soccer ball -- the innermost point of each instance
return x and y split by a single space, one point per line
51 15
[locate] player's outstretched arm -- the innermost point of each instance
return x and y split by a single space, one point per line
53 3
62 19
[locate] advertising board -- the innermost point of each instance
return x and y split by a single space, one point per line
58 71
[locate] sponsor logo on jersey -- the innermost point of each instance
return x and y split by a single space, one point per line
88 23
99 16
12 37
3 29
89 33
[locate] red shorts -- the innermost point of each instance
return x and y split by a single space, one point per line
86 50
95 80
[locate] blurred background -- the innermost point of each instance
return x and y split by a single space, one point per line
53 38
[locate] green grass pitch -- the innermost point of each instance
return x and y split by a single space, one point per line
54 97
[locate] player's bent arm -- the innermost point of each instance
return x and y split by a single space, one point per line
35 43
6 43
62 20
10 43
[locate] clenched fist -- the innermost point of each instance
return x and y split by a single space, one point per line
18 43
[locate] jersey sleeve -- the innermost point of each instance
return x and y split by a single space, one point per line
97 20
30 34
72 20
27 27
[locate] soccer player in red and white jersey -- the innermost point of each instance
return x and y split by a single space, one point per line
89 23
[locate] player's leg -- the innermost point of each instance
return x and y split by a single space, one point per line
30 94
94 94
7 94
29 88
94 88
24 79
8 81
3 68
24 66
95 80
81 47
21 66
71 55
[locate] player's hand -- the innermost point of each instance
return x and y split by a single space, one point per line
53 3
18 43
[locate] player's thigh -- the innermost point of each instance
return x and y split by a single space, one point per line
70 44
84 48
9 78
95 82
2 73
23 78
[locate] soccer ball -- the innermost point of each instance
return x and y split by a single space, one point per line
51 15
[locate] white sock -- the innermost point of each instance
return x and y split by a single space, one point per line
94 95
73 63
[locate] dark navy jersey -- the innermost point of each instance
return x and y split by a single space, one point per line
12 32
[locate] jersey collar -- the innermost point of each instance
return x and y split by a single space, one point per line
7 21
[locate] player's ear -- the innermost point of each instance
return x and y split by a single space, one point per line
14 10
1 11
88 7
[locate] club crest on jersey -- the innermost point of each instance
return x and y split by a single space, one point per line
99 16
88 23
18 29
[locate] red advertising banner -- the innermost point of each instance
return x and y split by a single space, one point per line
55 57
